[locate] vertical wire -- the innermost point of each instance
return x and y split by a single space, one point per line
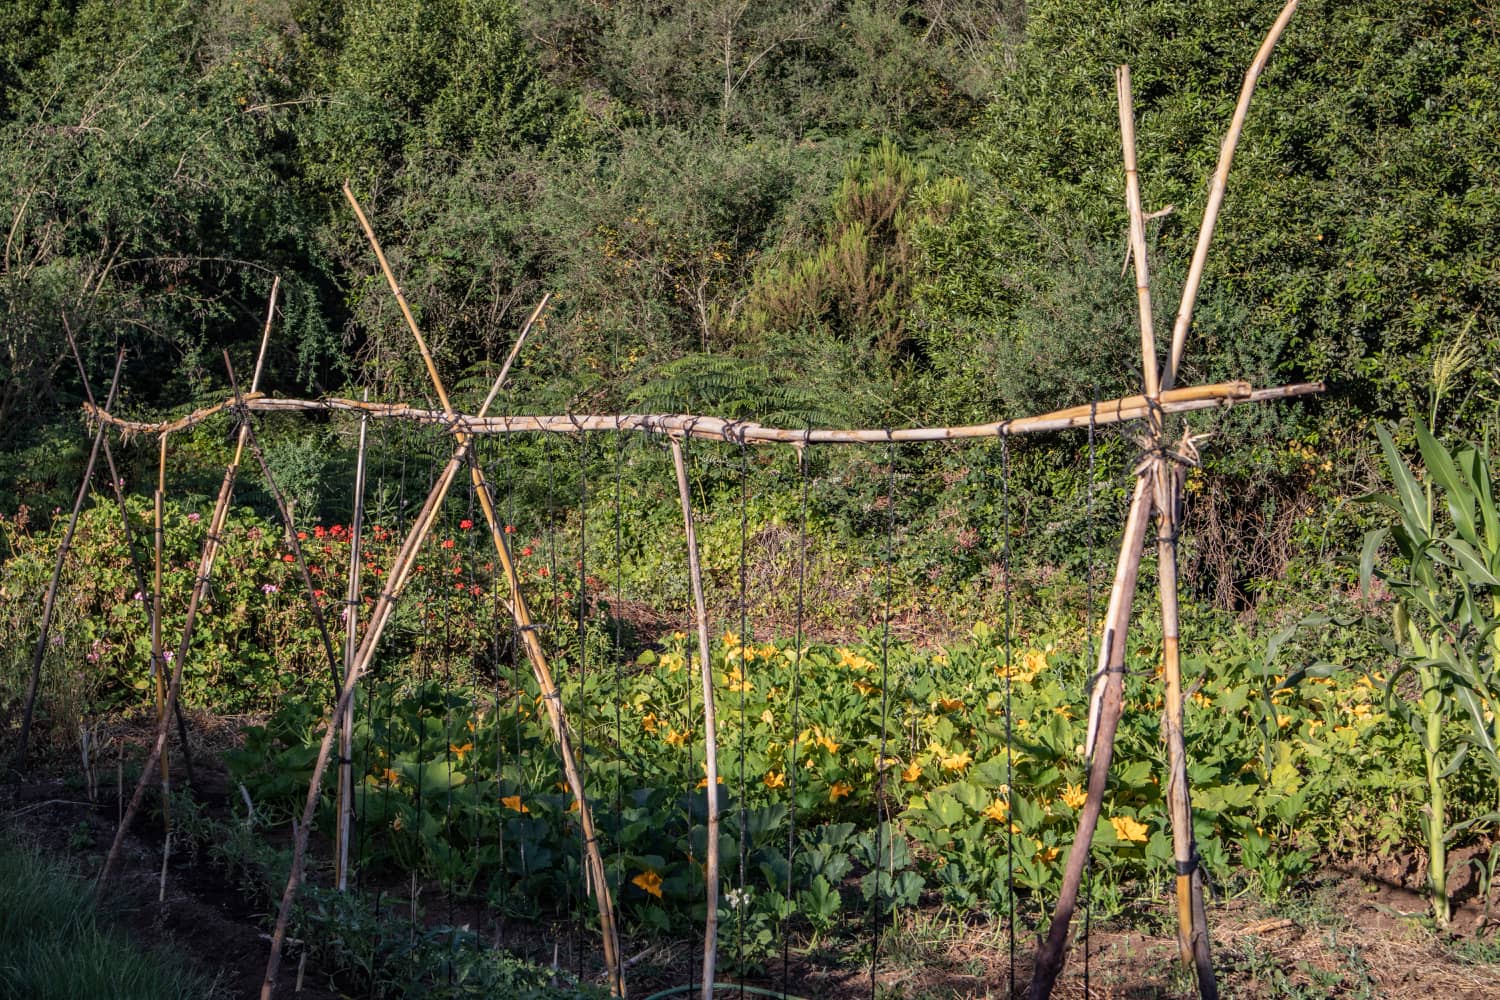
447 592
742 905
791 770
687 676
1088 861
583 682
619 651
885 663
1010 774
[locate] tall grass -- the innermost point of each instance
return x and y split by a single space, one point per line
52 946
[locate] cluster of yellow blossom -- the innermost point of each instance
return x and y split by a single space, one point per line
852 660
650 881
1129 829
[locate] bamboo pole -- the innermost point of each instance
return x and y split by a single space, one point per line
1216 193
1151 379
206 561
1192 927
1187 399
710 732
594 862
49 602
396 579
1109 683
345 798
141 586
1192 937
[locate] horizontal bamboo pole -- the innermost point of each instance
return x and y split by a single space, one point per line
1202 397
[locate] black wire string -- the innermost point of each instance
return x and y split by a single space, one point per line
1088 861
583 675
885 663
1010 762
791 770
743 903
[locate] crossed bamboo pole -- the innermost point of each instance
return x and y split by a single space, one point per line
206 561
1159 486
595 871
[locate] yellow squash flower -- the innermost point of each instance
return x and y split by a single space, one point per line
650 722
678 739
997 810
390 777
649 881
957 761
950 704
1129 829
514 804
839 790
774 779
1046 855
459 751
911 772
865 688
767 717
1073 796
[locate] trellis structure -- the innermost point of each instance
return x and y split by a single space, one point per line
1159 486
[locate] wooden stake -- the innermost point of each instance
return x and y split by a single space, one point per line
1216 194
710 736
345 802
49 602
395 582
1109 685
206 560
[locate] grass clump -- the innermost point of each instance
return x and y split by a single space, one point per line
52 944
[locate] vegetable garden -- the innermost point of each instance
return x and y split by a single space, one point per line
528 749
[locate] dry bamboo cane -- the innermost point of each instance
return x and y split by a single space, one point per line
593 860
552 699
1150 378
1216 194
395 582
1189 930
128 534
1192 928
1111 679
385 604
206 561
345 801
49 602
1112 411
710 733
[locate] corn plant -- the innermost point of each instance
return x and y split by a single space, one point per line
1446 585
